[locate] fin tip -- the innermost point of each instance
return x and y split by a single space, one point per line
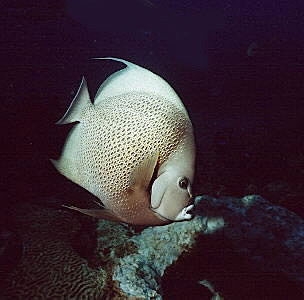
127 63
81 100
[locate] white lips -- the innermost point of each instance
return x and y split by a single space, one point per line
183 215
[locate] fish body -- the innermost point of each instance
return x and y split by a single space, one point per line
133 148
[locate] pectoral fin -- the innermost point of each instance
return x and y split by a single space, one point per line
158 190
97 213
142 175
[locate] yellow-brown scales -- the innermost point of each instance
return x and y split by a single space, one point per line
117 121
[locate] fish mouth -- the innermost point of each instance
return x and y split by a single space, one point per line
185 213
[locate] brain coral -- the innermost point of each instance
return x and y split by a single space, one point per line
50 268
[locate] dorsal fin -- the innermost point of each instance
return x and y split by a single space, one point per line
127 63
134 78
80 101
117 83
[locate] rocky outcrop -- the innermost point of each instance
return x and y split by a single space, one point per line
270 235
230 247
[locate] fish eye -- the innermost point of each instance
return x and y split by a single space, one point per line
183 183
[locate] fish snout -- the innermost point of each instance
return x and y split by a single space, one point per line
190 208
189 189
191 200
185 213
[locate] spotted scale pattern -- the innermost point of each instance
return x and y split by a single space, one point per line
121 133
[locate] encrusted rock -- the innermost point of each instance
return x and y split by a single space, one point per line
251 226
256 228
136 263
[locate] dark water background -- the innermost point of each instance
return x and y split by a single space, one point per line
247 110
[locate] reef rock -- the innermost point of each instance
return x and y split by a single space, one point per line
202 258
269 236
139 273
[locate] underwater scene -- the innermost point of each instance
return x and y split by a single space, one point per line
152 150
